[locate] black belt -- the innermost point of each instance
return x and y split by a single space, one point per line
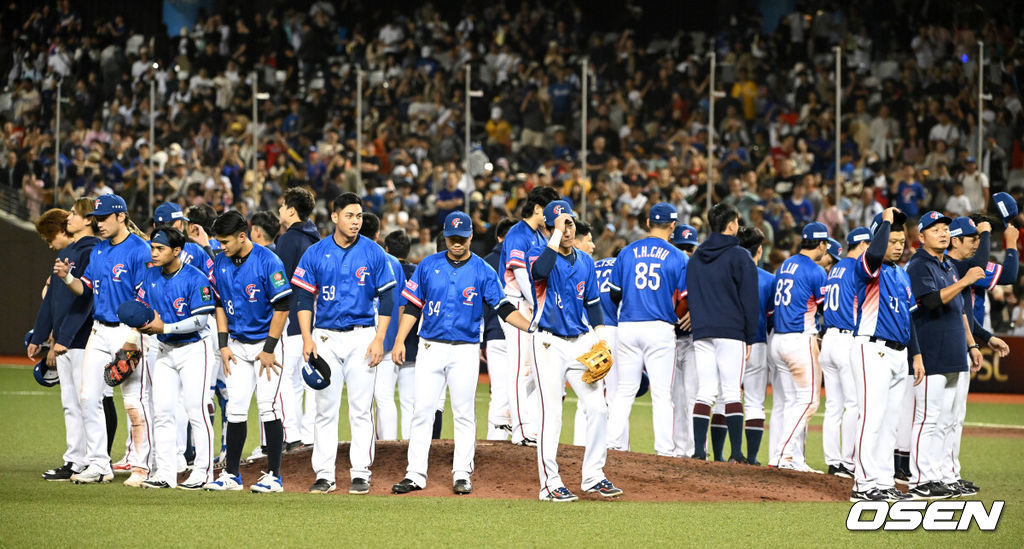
345 329
887 343
108 324
841 330
450 342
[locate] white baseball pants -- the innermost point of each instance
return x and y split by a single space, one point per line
775 425
181 373
289 398
934 418
345 353
497 371
687 380
800 373
720 365
457 366
522 396
579 432
69 371
407 395
386 425
840 425
554 363
651 344
755 383
879 376
951 470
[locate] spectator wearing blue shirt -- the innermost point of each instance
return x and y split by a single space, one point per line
450 198
734 159
800 207
561 93
909 194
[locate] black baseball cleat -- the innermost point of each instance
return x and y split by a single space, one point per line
868 495
359 486
406 485
892 494
506 428
840 471
60 474
293 446
740 459
155 484
968 488
901 477
527 441
461 487
605 488
753 462
954 489
930 490
322 486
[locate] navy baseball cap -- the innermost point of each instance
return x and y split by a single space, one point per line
663 212
45 376
1005 205
858 235
931 218
814 231
963 226
554 209
135 314
684 234
458 224
898 218
168 212
108 204
316 373
835 249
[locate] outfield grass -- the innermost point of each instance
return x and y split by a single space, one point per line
37 513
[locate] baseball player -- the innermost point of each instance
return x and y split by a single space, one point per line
755 375
798 292
342 275
71 234
181 300
252 307
724 306
964 247
649 275
397 243
301 233
684 238
884 340
448 290
495 351
584 241
944 329
114 273
522 237
568 305
839 320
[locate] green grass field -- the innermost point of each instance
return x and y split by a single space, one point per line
37 513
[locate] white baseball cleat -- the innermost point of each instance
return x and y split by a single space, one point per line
225 482
137 478
122 465
267 483
92 475
257 453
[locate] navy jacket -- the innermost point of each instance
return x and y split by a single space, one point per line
66 315
940 331
721 284
412 341
289 247
492 330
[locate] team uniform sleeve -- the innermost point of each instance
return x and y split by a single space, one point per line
304 277
819 286
201 300
516 253
615 278
384 278
413 292
44 319
88 273
275 282
491 287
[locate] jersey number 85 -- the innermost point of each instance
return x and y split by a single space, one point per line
647 276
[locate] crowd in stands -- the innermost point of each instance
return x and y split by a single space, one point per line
909 132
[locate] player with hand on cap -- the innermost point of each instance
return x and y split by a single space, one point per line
648 278
173 304
839 319
449 291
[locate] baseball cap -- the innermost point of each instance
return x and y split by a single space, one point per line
663 212
963 226
168 212
1005 205
554 209
316 373
684 234
898 218
931 218
135 314
107 204
969 160
44 375
860 234
835 249
814 231
458 224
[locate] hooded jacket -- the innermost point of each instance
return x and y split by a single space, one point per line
289 247
721 283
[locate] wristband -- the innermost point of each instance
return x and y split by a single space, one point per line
68 279
556 239
222 340
975 346
269 344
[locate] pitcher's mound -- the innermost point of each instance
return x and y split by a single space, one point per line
504 471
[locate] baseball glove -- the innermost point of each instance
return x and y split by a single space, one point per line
598 361
121 367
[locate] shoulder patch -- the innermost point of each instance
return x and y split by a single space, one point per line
277 279
411 285
300 271
206 294
518 254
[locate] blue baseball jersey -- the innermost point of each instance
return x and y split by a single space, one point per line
840 296
603 272
194 254
766 296
650 273
798 291
114 273
978 290
452 298
392 331
176 297
519 240
345 281
884 300
562 298
248 291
